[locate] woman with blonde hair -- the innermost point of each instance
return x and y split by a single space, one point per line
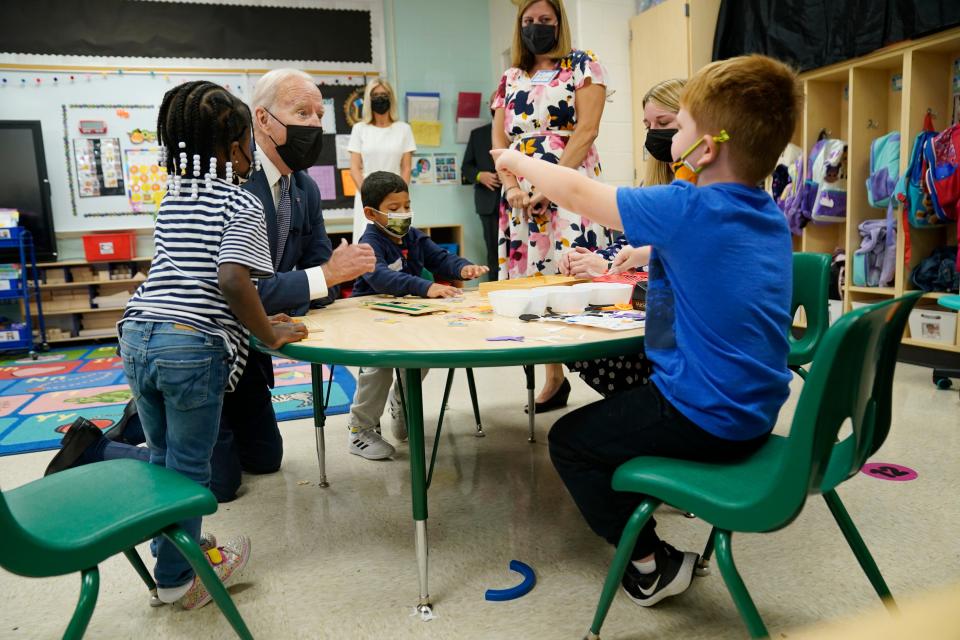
548 106
379 142
660 107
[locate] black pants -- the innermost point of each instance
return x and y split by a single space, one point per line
249 439
491 223
588 444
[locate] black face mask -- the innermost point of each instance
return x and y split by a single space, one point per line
658 143
302 147
380 104
539 38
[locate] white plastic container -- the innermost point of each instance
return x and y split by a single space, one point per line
509 303
933 324
566 299
513 303
605 294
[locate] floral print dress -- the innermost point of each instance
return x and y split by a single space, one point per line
538 120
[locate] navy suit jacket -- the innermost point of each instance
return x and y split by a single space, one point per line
307 245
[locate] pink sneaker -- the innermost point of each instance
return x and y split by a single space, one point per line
227 560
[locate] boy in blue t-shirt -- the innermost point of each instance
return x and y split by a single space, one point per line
718 303
403 253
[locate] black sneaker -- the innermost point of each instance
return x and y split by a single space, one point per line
673 575
81 435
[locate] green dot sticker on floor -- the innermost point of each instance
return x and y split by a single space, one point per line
889 471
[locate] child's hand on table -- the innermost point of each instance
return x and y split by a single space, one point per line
278 318
287 332
443 291
473 271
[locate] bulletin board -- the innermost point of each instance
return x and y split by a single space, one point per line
111 153
332 168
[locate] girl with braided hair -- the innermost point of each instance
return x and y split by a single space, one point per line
184 333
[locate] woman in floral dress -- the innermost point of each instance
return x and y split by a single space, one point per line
548 106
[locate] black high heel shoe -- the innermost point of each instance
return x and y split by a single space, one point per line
557 401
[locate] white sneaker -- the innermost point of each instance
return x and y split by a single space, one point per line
368 444
398 421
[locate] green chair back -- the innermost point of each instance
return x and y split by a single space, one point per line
852 378
811 291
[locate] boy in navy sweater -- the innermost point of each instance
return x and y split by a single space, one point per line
403 253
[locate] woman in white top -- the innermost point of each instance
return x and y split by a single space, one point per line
379 143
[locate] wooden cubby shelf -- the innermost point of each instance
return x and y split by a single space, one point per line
858 101
68 290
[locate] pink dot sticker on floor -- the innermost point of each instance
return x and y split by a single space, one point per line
889 471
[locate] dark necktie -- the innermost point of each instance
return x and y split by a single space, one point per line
283 218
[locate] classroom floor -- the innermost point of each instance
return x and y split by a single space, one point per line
339 562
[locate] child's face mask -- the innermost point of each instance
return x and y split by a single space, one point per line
398 222
683 169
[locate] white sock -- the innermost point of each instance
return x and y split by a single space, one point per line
645 567
172 594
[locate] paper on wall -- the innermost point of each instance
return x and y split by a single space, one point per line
343 156
465 126
324 177
426 133
329 119
423 106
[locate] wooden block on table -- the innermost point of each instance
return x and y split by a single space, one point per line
530 282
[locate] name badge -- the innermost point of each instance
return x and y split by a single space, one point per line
545 76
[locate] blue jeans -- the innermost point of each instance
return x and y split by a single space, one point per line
178 377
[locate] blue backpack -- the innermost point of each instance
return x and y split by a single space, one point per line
884 169
912 190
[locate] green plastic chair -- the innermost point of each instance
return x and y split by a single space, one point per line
851 378
62 524
811 291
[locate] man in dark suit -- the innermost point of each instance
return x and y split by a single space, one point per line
307 272
477 169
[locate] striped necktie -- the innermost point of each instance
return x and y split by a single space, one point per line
283 218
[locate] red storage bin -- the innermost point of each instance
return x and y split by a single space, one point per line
112 245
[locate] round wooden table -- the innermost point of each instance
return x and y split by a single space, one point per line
460 337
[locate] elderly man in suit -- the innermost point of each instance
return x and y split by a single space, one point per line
287 107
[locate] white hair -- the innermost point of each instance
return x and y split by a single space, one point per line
265 91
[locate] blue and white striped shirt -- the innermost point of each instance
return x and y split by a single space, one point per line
192 238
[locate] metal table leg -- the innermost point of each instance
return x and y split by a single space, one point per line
418 483
531 403
320 418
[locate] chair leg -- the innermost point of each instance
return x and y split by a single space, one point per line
859 548
476 406
191 551
137 563
738 590
436 437
703 564
620 559
89 586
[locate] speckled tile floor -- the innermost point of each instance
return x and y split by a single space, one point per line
339 562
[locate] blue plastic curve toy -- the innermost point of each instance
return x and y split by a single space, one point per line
522 589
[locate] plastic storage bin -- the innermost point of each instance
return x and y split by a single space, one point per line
933 324
110 246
